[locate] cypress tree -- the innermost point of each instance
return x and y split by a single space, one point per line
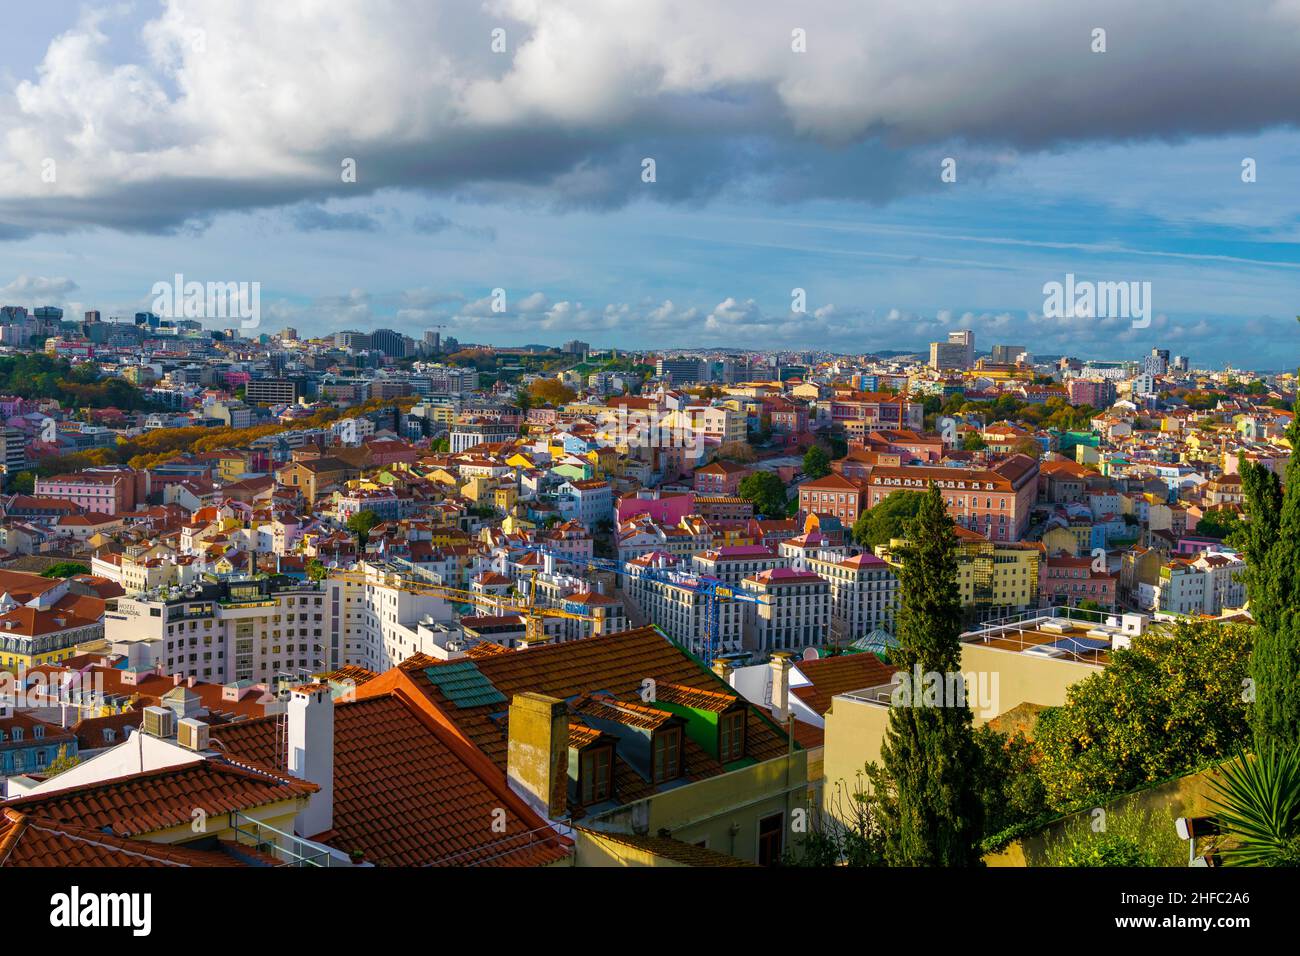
1273 587
933 815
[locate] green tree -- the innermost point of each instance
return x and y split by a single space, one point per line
61 762
360 525
1272 545
316 571
888 519
766 490
928 780
816 463
1010 788
1218 522
973 441
23 483
1168 704
65 569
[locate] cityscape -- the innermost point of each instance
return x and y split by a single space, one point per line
376 501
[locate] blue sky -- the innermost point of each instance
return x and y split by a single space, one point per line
208 143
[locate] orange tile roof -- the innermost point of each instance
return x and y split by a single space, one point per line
838 675
157 799
36 841
613 663
407 792
695 697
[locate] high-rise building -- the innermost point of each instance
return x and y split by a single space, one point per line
392 344
947 355
966 339
1157 363
1007 354
271 391
577 347
683 371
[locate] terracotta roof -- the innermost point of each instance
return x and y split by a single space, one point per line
407 792
838 675
36 841
90 730
615 664
695 697
157 799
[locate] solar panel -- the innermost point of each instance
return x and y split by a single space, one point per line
1080 644
462 683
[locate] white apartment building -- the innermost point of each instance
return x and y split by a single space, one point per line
588 501
1181 589
372 622
258 630
732 564
666 597
863 593
238 629
1224 587
795 613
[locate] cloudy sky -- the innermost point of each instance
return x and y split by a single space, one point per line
503 145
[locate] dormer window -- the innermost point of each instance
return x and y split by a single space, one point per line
597 775
667 754
38 731
18 733
731 736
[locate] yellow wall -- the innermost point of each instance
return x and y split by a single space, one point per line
855 730
1187 796
710 810
591 849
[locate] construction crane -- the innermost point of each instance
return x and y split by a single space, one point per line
535 616
714 591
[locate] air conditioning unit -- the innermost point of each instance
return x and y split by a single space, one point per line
159 722
192 734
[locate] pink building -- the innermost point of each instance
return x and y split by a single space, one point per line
667 507
719 478
106 492
1066 581
1097 393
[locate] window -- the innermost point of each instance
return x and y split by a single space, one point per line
731 736
667 754
597 775
770 834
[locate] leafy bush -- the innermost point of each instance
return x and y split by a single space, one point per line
1130 837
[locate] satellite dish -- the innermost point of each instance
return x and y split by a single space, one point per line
811 654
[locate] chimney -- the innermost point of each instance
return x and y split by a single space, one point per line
311 754
538 764
722 667
780 665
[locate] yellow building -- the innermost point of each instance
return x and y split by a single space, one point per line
1023 664
990 574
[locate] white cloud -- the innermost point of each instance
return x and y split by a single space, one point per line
245 103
